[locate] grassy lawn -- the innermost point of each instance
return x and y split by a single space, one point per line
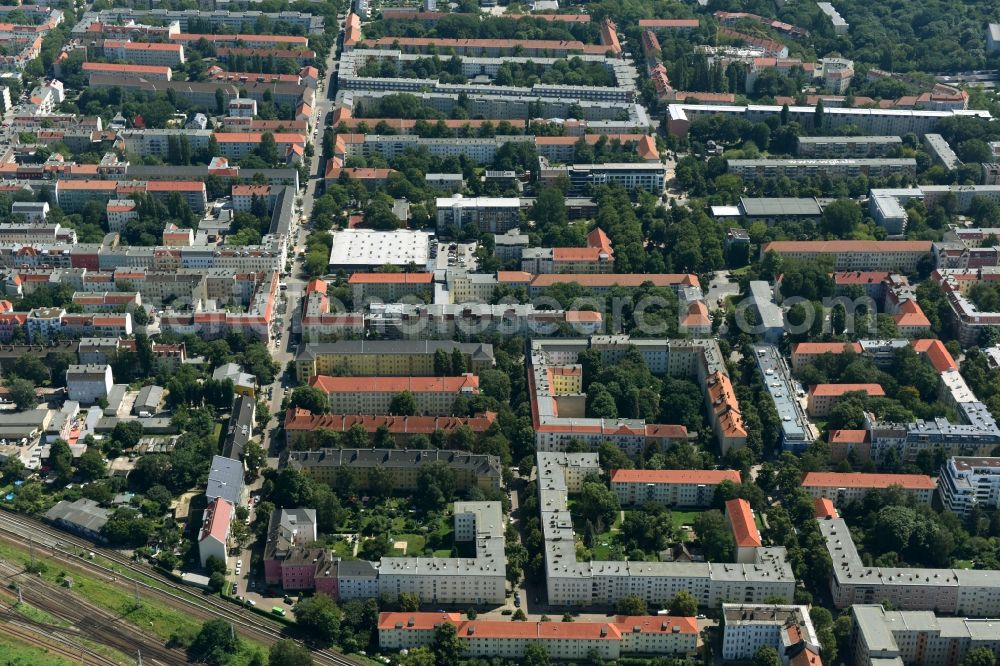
962 564
414 544
343 549
683 517
15 653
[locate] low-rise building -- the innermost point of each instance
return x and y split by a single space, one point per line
392 358
744 529
670 487
83 516
850 255
289 531
390 287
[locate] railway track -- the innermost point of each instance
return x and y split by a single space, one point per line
36 637
88 620
73 550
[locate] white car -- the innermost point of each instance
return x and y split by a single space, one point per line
239 563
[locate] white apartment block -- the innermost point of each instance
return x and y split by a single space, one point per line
917 638
120 212
575 583
849 255
870 121
880 167
434 396
951 591
86 384
144 53
495 215
669 487
967 482
748 627
846 487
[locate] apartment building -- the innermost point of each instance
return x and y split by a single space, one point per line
148 72
894 256
73 195
846 487
252 41
217 18
478 580
608 641
450 321
824 397
649 176
951 591
495 215
213 537
389 358
875 121
144 53
575 583
669 487
236 145
87 384
391 287
596 257
843 147
374 395
920 638
967 482
796 431
968 321
288 531
746 628
814 168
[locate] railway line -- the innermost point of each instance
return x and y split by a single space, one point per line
73 550
36 637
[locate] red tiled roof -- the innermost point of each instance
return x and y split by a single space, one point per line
675 476
862 480
105 67
741 521
218 517
873 390
668 23
390 278
937 354
623 624
823 508
825 347
848 436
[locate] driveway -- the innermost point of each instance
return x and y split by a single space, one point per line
720 287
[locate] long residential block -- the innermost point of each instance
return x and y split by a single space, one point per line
670 487
374 395
645 635
851 255
846 487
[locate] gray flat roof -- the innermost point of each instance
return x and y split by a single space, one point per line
780 206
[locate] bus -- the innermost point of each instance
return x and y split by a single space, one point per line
278 610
